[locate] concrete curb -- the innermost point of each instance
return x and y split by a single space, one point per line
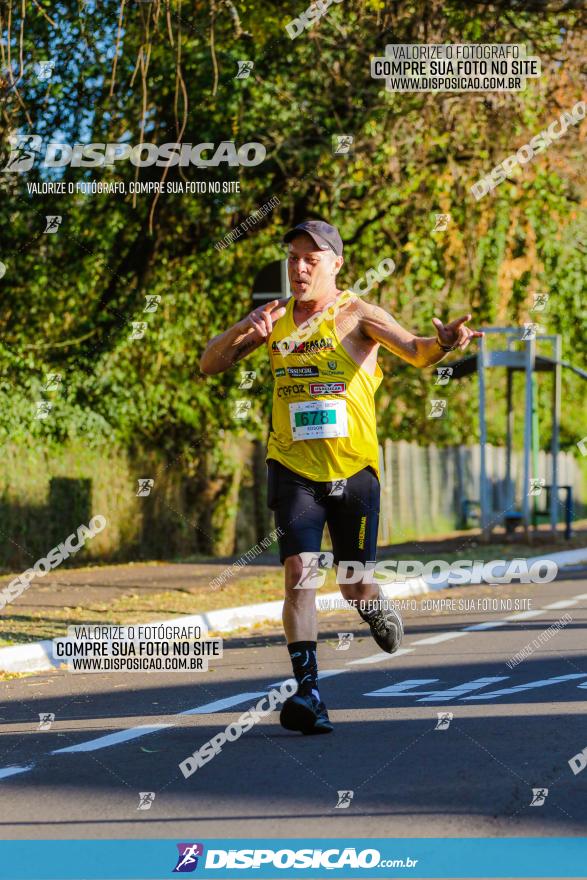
38 656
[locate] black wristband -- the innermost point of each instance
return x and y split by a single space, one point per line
445 347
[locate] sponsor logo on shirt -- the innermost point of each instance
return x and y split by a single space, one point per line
303 372
287 390
325 343
332 369
317 388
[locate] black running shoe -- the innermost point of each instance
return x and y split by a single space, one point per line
385 624
306 714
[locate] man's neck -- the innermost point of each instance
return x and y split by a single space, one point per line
312 306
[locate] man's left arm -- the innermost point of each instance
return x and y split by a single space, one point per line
420 351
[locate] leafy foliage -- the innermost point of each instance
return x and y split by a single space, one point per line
165 71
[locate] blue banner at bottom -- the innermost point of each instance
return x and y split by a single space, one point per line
555 857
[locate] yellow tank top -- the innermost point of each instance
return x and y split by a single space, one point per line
323 418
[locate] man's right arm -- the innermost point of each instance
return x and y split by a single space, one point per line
241 339
229 347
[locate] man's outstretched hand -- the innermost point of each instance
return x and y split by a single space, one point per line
455 334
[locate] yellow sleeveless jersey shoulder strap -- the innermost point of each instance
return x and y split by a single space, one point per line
332 310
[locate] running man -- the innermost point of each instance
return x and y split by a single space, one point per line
323 455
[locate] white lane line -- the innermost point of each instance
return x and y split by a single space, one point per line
564 603
226 703
494 624
112 739
488 624
12 771
443 637
526 615
379 658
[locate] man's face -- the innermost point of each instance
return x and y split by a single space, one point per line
311 271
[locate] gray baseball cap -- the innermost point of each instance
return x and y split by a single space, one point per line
323 234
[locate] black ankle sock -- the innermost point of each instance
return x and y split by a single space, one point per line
305 667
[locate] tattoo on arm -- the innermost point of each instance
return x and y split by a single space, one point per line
243 348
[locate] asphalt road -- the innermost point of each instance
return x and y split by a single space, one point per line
82 777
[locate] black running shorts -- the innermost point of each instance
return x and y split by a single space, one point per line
349 507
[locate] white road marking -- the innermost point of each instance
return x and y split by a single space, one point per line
526 615
112 739
226 703
460 689
543 682
380 657
401 688
443 637
12 771
564 603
